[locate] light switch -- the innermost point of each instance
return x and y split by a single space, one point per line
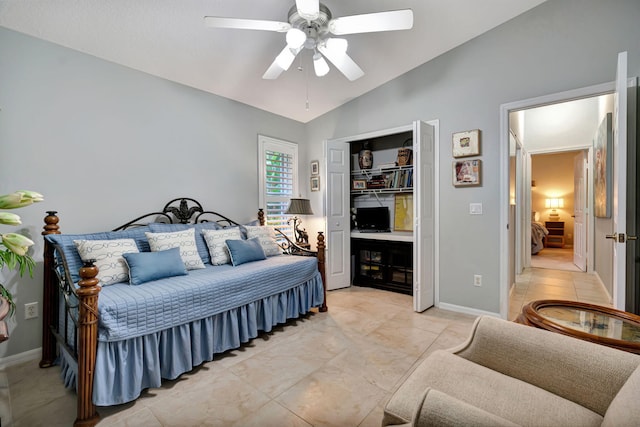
475 208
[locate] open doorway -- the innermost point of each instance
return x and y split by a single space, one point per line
558 206
551 140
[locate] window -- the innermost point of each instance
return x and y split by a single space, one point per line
278 180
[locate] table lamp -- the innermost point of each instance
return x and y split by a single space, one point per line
299 207
553 204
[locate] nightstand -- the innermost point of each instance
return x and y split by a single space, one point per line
555 238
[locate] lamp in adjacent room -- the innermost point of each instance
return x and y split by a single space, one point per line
553 204
299 207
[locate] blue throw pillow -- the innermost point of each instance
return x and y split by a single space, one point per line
243 251
148 266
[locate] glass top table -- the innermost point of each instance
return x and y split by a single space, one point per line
602 325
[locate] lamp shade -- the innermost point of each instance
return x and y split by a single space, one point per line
554 203
299 207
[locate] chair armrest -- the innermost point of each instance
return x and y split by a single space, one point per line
441 410
583 372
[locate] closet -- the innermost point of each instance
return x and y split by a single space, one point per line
390 171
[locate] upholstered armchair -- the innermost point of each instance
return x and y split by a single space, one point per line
507 374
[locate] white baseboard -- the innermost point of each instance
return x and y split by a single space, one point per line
16 359
466 310
604 288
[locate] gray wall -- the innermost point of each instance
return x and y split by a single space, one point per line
105 143
557 46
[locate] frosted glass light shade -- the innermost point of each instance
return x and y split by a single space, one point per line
295 38
320 65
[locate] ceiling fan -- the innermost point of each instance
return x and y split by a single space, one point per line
310 26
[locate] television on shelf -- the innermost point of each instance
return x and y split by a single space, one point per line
371 220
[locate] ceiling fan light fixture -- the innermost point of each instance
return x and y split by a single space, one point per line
295 38
320 66
308 9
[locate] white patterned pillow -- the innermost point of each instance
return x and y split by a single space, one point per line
185 240
108 255
267 238
216 243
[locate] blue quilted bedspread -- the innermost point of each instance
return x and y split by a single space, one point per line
131 311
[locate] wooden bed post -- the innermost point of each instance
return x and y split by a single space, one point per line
87 343
261 216
321 257
50 294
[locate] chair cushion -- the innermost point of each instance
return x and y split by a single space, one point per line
624 409
491 391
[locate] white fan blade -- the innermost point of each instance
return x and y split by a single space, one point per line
246 24
342 62
282 63
372 22
308 9
273 72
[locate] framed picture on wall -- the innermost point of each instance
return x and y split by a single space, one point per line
466 143
602 185
315 183
315 168
466 173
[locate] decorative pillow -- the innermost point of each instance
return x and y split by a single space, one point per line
148 266
243 251
216 242
108 255
267 238
185 240
243 227
158 227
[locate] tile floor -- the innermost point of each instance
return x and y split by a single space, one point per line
326 369
541 283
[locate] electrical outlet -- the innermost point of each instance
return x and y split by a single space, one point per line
477 280
31 310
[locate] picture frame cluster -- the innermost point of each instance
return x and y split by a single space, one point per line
467 172
314 181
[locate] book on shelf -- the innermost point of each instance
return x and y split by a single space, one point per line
399 179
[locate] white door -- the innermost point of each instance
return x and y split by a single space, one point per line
579 205
337 201
424 216
619 200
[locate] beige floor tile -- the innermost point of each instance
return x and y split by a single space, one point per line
220 402
332 397
410 341
272 414
140 418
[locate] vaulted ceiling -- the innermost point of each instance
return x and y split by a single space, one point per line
168 39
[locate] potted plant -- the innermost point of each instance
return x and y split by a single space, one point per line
14 249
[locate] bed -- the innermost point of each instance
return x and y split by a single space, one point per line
538 234
112 342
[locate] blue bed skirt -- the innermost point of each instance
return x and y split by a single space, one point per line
125 368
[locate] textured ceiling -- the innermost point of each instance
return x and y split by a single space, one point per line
168 39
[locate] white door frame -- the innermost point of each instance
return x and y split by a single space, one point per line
435 124
505 109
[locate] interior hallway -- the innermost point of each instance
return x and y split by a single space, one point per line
554 276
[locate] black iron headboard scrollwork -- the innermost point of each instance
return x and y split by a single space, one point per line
183 210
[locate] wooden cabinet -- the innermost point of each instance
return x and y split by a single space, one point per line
383 264
555 238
